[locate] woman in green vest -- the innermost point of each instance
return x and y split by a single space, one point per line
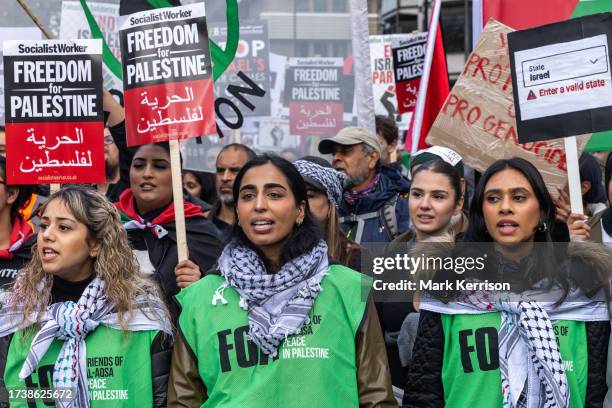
540 344
80 327
277 325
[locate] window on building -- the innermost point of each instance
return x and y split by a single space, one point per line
320 6
339 6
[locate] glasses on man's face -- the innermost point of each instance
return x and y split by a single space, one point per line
108 139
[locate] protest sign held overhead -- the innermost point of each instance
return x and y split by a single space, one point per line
562 79
54 118
74 24
314 91
13 33
408 60
251 60
477 119
167 75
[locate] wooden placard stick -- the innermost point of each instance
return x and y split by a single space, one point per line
177 194
573 174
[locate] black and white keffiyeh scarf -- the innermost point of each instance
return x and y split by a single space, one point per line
278 304
531 367
71 322
329 178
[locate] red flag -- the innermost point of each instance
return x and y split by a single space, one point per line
522 14
437 91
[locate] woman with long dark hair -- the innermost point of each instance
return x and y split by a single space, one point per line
79 316
277 324
147 210
541 342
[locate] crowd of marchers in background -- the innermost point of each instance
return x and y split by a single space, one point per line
271 304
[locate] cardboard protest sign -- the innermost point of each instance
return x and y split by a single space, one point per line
13 33
314 87
408 60
561 78
54 119
478 120
74 25
167 75
252 59
383 77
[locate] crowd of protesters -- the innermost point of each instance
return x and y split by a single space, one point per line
275 304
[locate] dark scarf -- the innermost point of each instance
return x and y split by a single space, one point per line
352 196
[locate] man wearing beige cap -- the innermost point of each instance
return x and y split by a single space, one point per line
372 209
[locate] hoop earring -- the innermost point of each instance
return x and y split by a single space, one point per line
542 227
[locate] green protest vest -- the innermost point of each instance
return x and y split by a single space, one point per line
470 370
315 368
118 368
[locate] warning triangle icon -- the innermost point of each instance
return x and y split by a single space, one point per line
531 96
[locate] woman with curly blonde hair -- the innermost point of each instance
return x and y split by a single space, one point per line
79 313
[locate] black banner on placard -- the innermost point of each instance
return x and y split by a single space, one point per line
165 52
53 88
167 75
561 77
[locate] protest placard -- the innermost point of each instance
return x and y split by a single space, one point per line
252 59
408 60
383 77
278 70
314 87
54 118
478 120
168 88
561 78
13 33
74 25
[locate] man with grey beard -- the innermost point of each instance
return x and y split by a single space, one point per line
229 162
373 208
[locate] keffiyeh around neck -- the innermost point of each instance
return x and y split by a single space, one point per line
530 363
278 304
132 220
71 322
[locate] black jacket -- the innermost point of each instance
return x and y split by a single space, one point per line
424 378
424 387
204 247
